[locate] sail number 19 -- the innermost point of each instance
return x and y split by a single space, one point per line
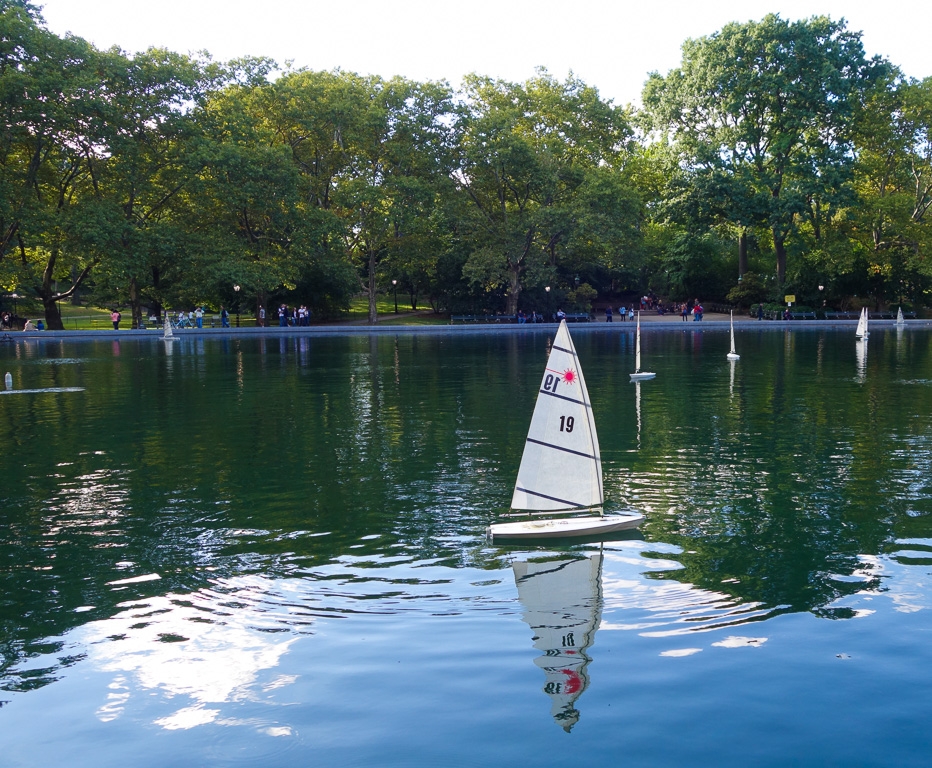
566 423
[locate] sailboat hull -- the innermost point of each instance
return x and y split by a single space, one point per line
562 528
642 376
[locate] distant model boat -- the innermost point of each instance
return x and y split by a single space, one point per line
900 320
638 374
561 469
167 333
862 332
733 355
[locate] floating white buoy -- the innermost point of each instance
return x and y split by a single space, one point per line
8 380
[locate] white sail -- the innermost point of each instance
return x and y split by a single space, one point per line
637 346
562 602
733 355
638 375
561 467
862 332
900 320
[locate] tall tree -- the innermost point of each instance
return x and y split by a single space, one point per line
765 109
46 84
890 225
540 163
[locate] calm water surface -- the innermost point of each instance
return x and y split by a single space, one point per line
271 552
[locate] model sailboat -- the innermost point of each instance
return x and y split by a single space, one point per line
638 374
561 469
862 332
900 320
733 355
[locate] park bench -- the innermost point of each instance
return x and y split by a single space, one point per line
463 319
804 315
577 318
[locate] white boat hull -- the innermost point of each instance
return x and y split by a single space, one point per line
642 376
565 527
733 356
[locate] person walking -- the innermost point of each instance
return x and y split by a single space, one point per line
608 314
199 316
760 311
115 318
224 317
262 317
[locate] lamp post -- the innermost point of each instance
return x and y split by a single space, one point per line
236 290
547 291
395 287
821 288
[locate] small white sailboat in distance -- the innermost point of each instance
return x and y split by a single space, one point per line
167 333
561 468
900 320
638 374
733 355
862 332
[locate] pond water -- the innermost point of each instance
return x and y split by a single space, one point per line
270 550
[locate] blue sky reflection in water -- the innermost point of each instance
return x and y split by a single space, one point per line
270 550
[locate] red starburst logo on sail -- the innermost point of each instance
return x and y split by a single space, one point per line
569 376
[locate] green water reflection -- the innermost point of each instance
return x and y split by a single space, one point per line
202 506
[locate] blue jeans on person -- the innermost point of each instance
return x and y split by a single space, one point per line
224 321
200 322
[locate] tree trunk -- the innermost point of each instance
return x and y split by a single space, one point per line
135 309
52 313
373 314
514 290
779 250
742 253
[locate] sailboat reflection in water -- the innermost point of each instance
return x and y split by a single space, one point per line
562 602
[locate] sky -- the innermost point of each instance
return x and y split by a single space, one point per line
612 46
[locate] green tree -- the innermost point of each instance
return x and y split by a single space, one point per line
542 165
889 228
763 112
46 88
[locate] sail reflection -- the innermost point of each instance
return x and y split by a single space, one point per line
860 347
562 602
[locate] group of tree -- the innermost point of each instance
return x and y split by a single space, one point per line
777 153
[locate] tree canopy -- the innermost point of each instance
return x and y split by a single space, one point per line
150 180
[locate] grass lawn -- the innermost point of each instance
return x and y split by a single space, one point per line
385 305
81 318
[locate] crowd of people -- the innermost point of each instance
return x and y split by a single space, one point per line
296 316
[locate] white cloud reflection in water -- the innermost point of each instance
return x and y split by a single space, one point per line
206 648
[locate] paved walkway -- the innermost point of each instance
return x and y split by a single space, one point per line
387 324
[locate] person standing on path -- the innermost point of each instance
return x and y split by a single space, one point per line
608 314
115 318
760 311
224 317
199 316
684 311
262 317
